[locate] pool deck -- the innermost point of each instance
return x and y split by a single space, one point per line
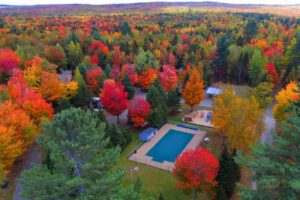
141 157
197 119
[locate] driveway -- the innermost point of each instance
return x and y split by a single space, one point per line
32 156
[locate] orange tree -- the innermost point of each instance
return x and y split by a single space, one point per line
193 91
284 99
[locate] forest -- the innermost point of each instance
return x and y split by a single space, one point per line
51 67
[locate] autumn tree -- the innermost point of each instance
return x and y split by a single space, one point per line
147 77
8 60
145 59
273 74
74 54
114 97
55 54
196 170
10 149
263 94
138 111
284 99
193 91
168 78
129 70
93 78
239 120
82 163
31 101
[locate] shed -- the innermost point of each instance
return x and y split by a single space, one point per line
147 134
213 91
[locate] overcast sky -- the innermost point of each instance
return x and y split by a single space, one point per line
33 2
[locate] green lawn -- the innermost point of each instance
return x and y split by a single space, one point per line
155 181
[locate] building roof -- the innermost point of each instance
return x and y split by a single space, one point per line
213 91
149 132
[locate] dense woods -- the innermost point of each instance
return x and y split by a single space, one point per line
51 67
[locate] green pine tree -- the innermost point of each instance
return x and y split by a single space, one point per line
116 135
130 89
275 166
228 175
82 163
173 101
83 95
251 29
257 68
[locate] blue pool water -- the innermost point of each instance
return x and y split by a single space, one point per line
170 146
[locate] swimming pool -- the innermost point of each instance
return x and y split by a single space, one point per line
170 146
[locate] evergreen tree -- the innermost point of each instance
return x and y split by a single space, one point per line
250 30
228 175
291 59
157 98
116 136
1 22
257 68
82 163
130 89
161 197
157 117
173 101
275 166
82 69
223 44
83 95
125 29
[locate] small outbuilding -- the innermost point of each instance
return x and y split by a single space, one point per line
147 134
213 91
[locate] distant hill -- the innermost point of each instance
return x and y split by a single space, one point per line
152 7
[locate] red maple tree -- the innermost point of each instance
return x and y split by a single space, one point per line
138 111
31 101
114 97
271 70
8 60
168 77
93 77
196 170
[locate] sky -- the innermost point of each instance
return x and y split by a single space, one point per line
34 2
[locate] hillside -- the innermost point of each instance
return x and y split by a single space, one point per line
154 7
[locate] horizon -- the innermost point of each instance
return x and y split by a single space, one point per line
112 2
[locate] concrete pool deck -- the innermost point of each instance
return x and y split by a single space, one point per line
198 117
141 157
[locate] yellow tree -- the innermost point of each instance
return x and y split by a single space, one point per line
221 110
193 91
239 120
284 98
